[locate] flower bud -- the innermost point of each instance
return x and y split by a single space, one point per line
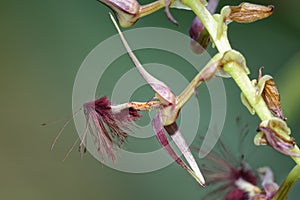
200 37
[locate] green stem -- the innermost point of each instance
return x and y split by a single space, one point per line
242 80
151 8
288 183
189 91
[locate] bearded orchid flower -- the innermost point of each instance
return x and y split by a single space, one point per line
168 113
108 123
231 179
234 179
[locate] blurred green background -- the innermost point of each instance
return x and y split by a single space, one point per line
43 43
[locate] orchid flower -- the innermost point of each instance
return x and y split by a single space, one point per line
108 123
234 179
166 118
237 180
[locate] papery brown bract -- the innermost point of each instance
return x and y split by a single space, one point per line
107 126
247 12
270 94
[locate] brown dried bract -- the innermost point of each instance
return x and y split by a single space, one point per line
271 96
247 12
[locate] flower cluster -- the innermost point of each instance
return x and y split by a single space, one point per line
234 180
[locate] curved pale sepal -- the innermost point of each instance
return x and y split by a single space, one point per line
237 57
163 91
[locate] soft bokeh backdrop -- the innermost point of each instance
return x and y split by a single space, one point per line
43 43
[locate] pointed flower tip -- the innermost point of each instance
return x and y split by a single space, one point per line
108 123
201 181
158 128
180 142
